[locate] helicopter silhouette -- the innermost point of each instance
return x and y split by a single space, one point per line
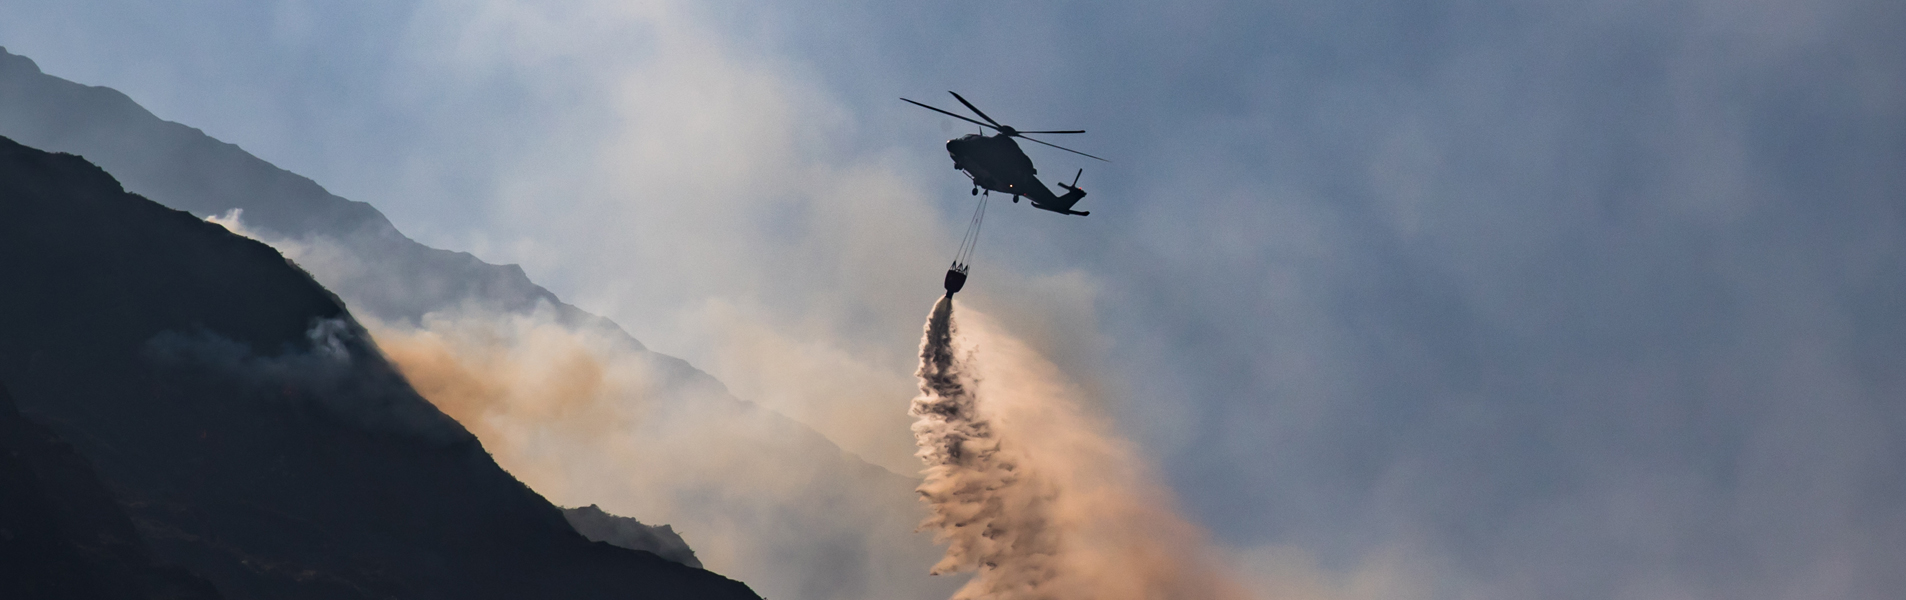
995 163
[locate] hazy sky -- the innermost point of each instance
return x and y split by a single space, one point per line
1591 299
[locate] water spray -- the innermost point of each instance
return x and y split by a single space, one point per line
984 506
1034 495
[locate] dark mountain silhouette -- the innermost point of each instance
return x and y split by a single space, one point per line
247 427
842 530
63 535
599 526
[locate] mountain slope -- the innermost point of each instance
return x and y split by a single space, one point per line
247 426
63 535
760 497
593 523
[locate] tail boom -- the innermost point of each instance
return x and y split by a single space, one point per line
1063 204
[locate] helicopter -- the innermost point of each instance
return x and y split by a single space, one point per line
996 164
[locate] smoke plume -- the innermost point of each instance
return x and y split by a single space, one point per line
1031 493
585 415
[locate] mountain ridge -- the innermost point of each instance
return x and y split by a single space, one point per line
110 129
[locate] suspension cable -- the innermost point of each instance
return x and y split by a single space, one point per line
970 241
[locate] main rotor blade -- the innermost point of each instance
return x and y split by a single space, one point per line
1061 148
1078 131
975 109
949 114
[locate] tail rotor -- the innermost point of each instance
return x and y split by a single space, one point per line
1075 182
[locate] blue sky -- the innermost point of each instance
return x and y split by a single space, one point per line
1555 299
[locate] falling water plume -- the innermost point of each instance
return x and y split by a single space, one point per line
1034 496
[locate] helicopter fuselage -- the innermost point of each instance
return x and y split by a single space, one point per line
995 163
